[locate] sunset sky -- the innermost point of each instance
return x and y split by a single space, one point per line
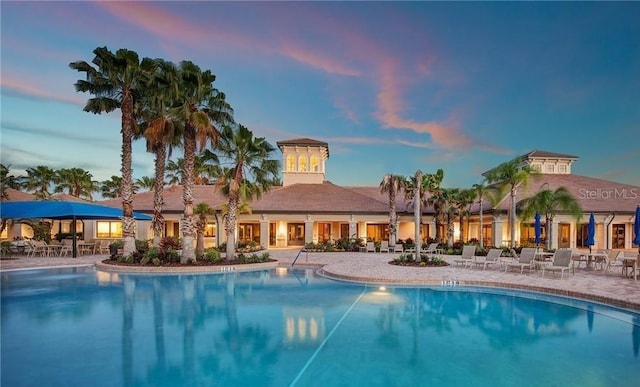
392 87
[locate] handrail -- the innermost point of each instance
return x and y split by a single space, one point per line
298 256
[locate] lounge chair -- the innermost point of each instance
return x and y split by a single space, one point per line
398 248
492 258
562 260
525 260
384 246
371 247
613 261
467 256
431 249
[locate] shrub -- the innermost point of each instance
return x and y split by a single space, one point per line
212 255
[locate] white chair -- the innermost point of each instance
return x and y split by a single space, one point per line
398 248
561 262
613 261
467 256
525 260
384 246
492 258
371 247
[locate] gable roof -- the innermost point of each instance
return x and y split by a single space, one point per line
593 195
548 155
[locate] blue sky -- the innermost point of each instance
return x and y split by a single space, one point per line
392 87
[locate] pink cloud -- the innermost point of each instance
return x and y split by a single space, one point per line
24 88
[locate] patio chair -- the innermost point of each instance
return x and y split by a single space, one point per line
613 261
103 247
562 260
384 246
431 249
492 258
467 256
371 247
398 248
525 260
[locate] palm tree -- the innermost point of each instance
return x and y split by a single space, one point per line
511 175
462 200
549 203
248 171
449 210
77 182
200 106
8 181
39 181
392 184
433 186
117 82
482 191
111 188
173 172
202 210
144 183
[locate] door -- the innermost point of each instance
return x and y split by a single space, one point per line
295 234
564 240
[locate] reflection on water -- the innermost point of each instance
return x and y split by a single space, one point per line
269 328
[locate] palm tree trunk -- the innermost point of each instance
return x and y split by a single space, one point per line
158 196
512 218
481 233
393 216
187 223
549 220
417 212
230 225
128 223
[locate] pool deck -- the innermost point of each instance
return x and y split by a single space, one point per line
594 285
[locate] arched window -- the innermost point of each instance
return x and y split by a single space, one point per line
302 163
315 166
291 163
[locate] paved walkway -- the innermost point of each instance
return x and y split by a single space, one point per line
609 288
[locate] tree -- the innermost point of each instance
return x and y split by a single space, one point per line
202 210
482 191
111 188
39 180
77 182
462 200
144 183
511 175
161 130
247 171
199 106
449 210
433 186
117 81
549 203
392 184
8 181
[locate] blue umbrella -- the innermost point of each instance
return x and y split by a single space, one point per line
636 228
538 228
53 209
591 232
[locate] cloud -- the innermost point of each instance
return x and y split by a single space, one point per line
23 88
44 134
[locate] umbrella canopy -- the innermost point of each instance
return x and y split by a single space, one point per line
49 209
636 228
538 228
591 232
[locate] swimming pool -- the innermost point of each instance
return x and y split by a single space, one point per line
282 327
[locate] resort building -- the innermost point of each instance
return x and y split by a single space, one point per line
308 208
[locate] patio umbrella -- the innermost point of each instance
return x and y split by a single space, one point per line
538 228
591 232
50 209
636 229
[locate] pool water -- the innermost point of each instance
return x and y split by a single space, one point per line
280 327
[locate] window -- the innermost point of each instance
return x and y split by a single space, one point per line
291 163
562 168
537 167
210 230
315 165
550 168
324 232
618 236
302 163
107 229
